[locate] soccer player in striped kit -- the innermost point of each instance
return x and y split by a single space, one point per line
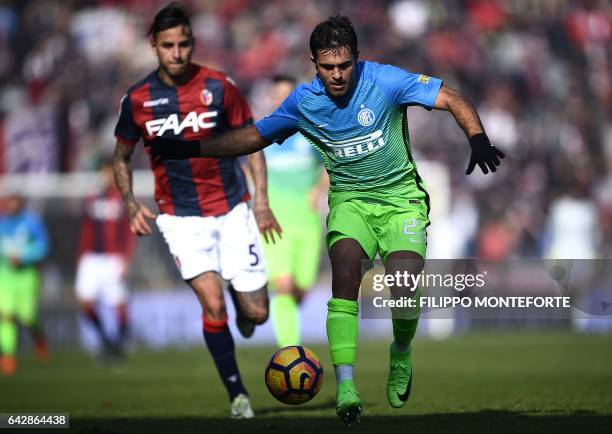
204 215
105 248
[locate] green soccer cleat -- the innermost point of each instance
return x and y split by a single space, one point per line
348 403
399 383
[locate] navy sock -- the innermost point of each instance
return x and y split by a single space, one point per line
91 315
221 346
122 317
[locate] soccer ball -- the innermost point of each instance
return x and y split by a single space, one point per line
294 375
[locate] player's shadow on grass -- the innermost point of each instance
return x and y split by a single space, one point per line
486 421
297 410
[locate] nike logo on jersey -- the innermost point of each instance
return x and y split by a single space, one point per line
357 146
320 126
404 396
193 120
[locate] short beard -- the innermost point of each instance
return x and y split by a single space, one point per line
175 76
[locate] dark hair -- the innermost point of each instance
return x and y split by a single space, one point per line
332 35
280 78
173 15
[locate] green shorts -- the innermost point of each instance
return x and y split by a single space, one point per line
380 227
297 254
19 290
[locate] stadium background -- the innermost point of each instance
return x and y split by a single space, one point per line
537 70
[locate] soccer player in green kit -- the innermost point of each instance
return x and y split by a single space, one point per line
354 114
296 183
23 246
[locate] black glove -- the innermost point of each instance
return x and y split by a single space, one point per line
484 154
165 148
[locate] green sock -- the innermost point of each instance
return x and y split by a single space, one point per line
286 321
403 332
8 337
405 321
342 330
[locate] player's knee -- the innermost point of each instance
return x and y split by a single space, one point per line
404 262
5 316
284 285
258 309
259 315
214 309
258 312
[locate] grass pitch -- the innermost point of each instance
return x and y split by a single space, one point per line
476 383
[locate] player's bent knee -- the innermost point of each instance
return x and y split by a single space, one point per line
258 310
259 315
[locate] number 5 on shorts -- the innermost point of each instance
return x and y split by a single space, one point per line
253 253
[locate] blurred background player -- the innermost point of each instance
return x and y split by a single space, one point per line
296 184
571 227
205 218
23 246
105 248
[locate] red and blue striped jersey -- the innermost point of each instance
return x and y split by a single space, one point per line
106 228
208 104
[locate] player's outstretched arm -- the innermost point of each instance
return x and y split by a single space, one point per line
137 212
484 153
233 143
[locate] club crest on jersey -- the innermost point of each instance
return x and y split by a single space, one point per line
206 97
365 116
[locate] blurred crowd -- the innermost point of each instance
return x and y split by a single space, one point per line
539 72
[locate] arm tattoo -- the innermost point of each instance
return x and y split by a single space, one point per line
257 166
122 167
